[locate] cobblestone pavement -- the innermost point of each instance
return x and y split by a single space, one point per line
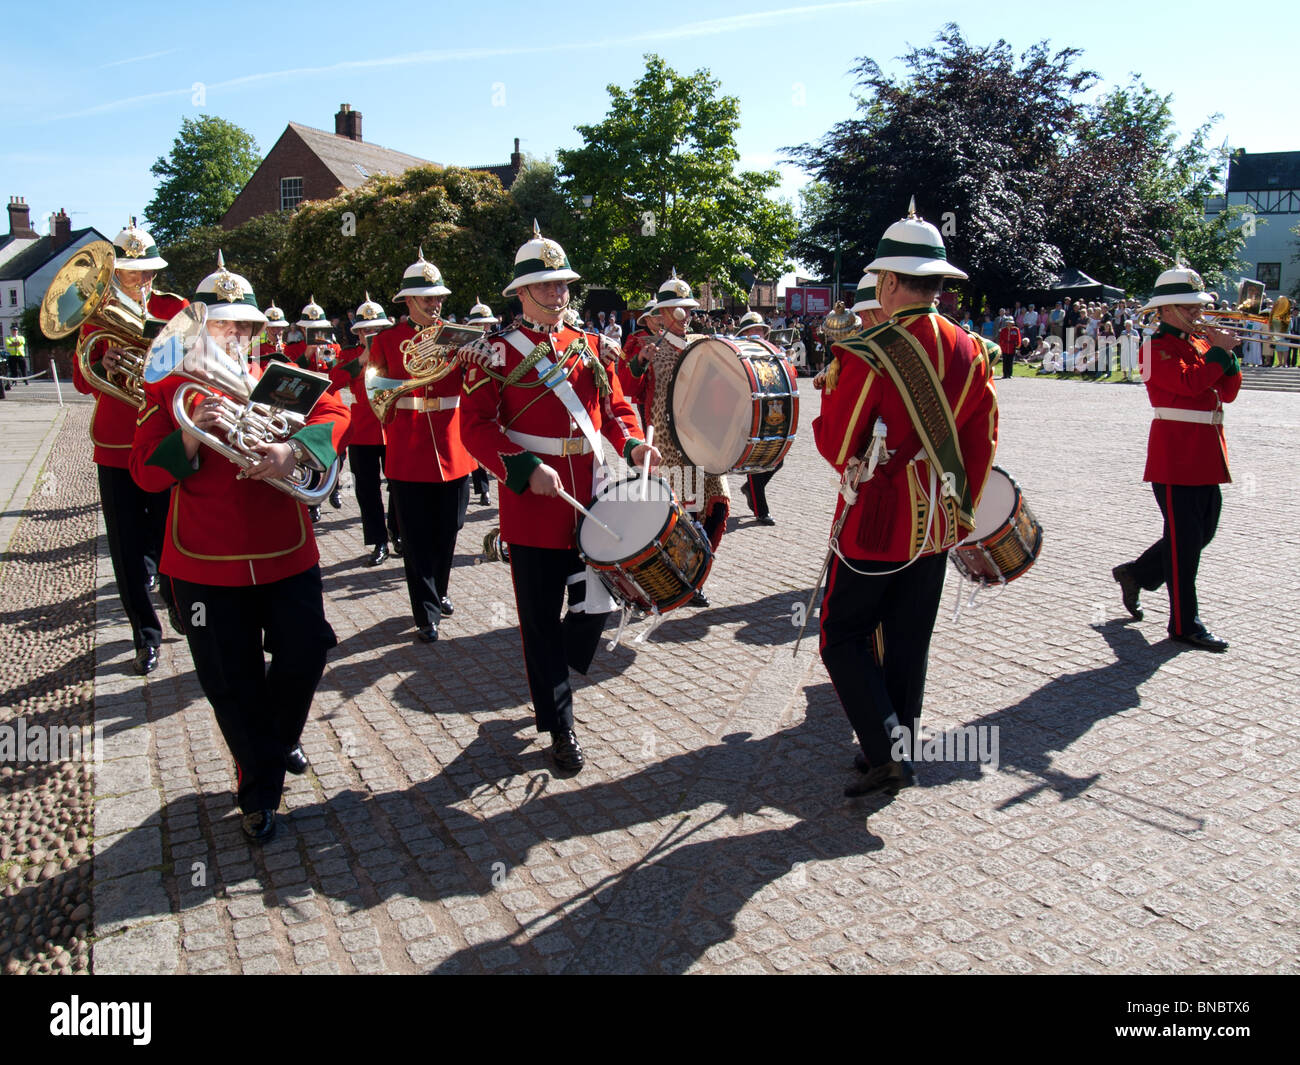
1142 816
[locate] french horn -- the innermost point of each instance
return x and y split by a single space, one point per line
428 357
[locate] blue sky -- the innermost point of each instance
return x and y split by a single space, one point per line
95 95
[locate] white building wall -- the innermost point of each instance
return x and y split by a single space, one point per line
1272 242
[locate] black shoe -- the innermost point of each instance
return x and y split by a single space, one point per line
378 555
1129 589
699 598
749 498
315 514
428 633
444 605
336 500
860 763
891 778
146 660
153 582
296 761
566 752
766 519
259 826
397 547
1203 641
483 500
178 626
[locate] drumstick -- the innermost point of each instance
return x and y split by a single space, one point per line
586 513
649 443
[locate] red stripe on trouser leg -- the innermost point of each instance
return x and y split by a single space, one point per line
825 605
1175 592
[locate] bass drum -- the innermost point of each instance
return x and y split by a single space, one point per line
662 558
1007 538
733 405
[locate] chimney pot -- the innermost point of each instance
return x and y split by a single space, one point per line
20 218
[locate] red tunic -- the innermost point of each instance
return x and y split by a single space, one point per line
423 445
849 414
348 381
112 426
489 408
1178 375
223 530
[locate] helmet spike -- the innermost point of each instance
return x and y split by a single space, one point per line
537 230
221 260
911 207
421 258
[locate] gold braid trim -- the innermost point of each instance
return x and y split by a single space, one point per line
832 376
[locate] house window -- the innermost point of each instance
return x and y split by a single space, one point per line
361 170
13 297
1270 274
290 192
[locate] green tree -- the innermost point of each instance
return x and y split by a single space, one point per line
251 249
210 162
539 193
661 171
968 132
1126 199
361 240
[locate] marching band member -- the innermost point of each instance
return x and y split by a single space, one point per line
271 347
657 361
244 563
903 515
481 315
536 398
134 519
426 464
1190 372
318 353
754 490
364 443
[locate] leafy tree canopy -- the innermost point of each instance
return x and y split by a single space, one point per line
210 162
1023 176
661 171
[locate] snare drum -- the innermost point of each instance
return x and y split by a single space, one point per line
662 559
733 405
1007 538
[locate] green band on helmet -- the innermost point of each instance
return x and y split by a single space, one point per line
213 300
536 266
1177 288
150 252
887 249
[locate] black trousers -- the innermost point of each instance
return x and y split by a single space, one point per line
366 461
135 521
553 646
260 709
1191 517
880 695
480 479
431 513
757 483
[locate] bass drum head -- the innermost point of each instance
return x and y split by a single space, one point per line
997 504
635 509
710 399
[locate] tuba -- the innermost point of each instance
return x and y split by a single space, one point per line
85 292
184 349
428 357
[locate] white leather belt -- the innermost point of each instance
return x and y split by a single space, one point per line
428 403
551 445
1174 414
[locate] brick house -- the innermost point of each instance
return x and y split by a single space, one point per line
312 164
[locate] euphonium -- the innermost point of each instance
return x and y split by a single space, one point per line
86 292
184 348
428 357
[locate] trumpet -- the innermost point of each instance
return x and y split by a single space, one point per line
184 349
428 357
85 291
